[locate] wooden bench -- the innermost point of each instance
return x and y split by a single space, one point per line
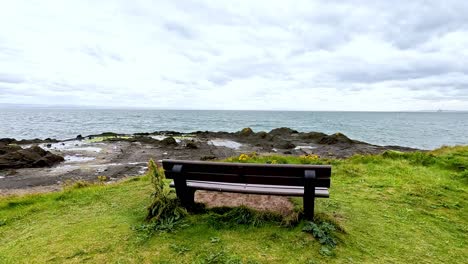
308 181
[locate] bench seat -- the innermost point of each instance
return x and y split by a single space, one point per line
281 190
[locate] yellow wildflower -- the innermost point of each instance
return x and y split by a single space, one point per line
243 157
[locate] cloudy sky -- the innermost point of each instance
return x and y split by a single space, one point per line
289 55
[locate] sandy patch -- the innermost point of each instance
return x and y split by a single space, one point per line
279 204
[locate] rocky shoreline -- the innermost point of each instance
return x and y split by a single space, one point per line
49 163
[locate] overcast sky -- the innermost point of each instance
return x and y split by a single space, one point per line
282 55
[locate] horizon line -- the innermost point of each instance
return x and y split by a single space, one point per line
97 107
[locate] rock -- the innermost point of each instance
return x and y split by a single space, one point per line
7 141
335 139
16 157
191 145
287 152
283 132
263 135
209 157
245 132
79 137
169 141
284 145
144 139
108 134
142 134
27 141
5 148
316 136
167 132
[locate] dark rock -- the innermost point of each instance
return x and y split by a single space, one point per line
287 152
263 135
169 141
37 141
284 145
167 132
283 132
141 134
209 157
7 140
191 145
16 157
79 137
109 134
316 136
143 139
5 148
27 141
335 139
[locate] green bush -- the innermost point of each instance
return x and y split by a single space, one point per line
165 207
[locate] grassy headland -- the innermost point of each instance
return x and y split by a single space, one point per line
390 208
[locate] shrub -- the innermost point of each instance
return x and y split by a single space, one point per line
165 207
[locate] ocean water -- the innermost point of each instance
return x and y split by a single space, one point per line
413 129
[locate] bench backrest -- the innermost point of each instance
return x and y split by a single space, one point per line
271 174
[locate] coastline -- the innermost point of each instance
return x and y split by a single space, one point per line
118 156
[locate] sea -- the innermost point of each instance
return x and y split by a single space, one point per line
424 130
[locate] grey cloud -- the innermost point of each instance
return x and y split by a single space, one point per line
101 55
372 75
179 30
219 79
426 20
11 78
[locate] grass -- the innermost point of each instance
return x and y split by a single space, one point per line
390 208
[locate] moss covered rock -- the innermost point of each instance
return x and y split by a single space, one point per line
245 132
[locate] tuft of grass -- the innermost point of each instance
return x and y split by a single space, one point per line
165 211
225 217
78 184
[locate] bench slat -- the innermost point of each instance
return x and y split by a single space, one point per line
284 170
254 188
253 179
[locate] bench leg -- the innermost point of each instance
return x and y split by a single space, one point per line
186 195
309 194
309 204
188 198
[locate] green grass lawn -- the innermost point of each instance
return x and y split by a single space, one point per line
393 208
